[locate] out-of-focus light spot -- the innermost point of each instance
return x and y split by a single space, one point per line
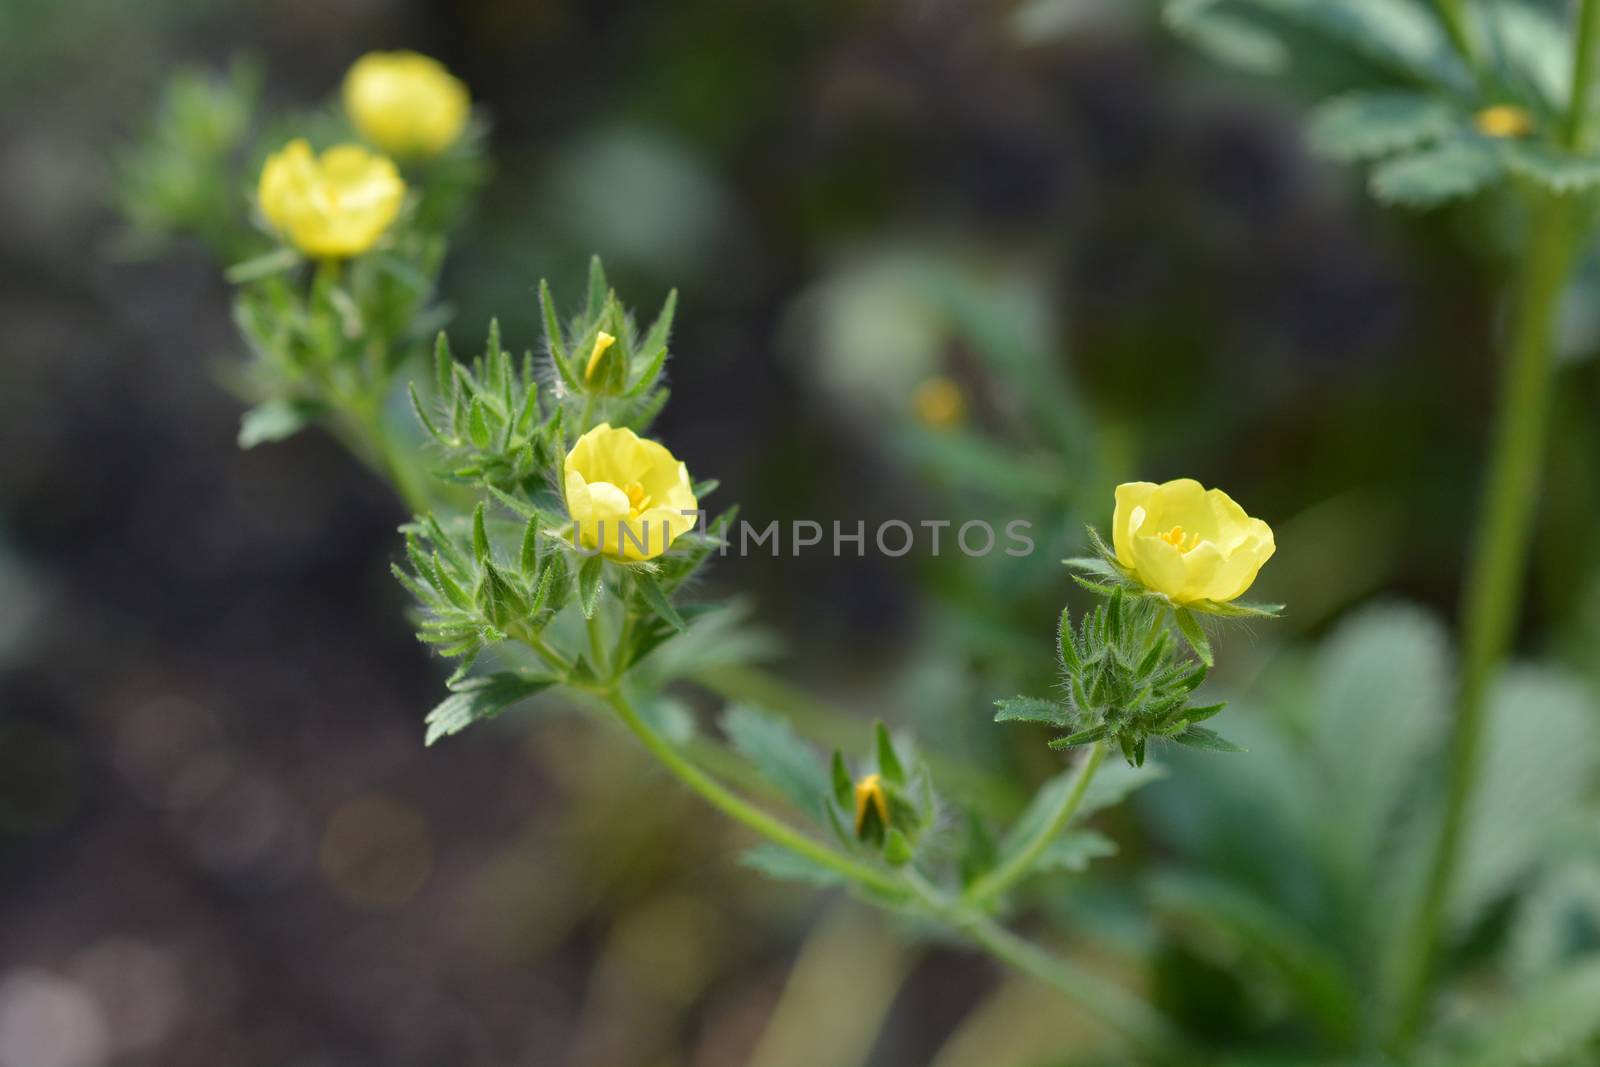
24 604
40 778
139 986
169 751
667 948
248 826
47 1021
376 852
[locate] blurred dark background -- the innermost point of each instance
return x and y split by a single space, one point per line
221 840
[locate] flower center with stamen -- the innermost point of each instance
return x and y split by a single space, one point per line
1174 537
638 499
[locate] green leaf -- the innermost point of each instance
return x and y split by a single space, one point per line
1082 737
481 698
1200 737
1113 783
480 534
775 861
658 601
1032 709
597 290
589 584
978 852
1431 176
888 761
1558 171
1550 1024
897 851
1189 626
1366 125
263 266
843 787
783 759
1074 850
274 421
1066 644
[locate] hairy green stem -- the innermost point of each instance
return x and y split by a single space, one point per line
741 811
1109 1003
1003 877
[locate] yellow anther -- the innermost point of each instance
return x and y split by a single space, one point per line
637 497
602 342
1174 537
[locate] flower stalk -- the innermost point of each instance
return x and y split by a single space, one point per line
1496 571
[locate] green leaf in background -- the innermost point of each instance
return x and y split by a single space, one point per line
275 420
1549 1025
1074 850
481 698
1431 176
1541 757
650 591
1558 171
783 759
775 861
1113 783
1366 125
1032 709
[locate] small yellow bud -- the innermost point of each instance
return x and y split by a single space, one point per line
1188 542
870 799
1503 120
602 342
333 205
628 498
406 103
939 403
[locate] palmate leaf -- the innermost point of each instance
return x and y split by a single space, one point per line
1367 125
1449 170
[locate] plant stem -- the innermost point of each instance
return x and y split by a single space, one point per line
1109 1003
1583 60
740 810
1001 878
597 642
1453 15
1495 576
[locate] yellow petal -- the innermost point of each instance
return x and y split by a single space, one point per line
1159 565
405 103
1133 500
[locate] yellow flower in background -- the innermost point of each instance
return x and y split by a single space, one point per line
1503 120
627 497
336 204
405 103
939 403
1188 542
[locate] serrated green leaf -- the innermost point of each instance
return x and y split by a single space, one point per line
1082 737
1032 709
1366 125
481 698
1431 176
1075 850
1559 171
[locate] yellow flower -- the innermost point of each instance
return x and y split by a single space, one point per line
1188 542
405 103
627 497
871 800
1503 120
337 204
602 342
939 403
